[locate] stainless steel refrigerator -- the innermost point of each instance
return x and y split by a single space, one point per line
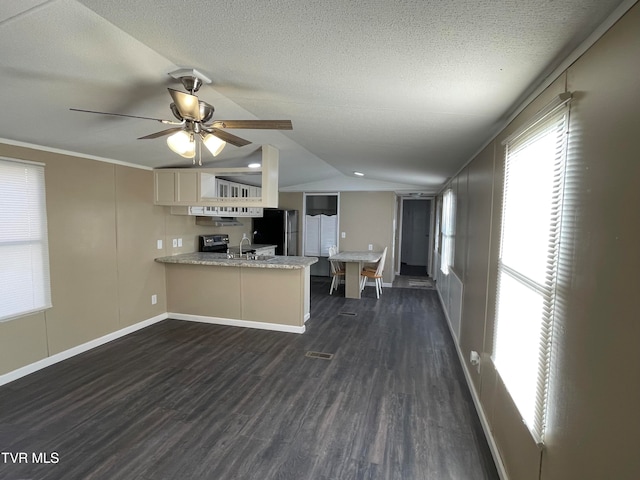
277 227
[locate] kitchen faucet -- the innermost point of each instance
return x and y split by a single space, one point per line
244 237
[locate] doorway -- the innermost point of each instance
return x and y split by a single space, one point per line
415 237
320 224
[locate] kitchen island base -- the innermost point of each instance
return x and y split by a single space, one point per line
265 298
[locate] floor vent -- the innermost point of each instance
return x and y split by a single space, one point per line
324 356
348 314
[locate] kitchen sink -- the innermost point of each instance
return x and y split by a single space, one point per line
261 258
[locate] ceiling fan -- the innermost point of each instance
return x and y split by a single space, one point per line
195 120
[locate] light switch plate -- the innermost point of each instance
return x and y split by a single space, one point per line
159 243
175 242
370 246
344 235
179 242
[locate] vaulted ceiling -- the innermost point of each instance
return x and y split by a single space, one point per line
404 91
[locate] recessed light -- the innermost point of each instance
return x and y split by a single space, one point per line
359 174
254 165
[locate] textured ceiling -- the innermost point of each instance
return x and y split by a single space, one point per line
404 91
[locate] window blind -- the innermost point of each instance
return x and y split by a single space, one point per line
527 265
448 230
24 251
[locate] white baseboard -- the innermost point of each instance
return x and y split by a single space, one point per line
237 323
495 453
307 317
59 357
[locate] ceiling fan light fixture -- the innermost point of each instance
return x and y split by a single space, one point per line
213 143
182 143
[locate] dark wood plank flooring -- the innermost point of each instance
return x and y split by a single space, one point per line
182 400
413 270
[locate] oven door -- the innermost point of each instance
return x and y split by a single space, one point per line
216 248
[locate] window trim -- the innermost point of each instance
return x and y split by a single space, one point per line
35 233
555 116
448 230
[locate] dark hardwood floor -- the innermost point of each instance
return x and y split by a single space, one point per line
413 270
182 400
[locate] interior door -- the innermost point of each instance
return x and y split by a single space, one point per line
414 253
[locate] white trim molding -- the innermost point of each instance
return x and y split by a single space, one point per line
69 153
493 446
232 322
77 350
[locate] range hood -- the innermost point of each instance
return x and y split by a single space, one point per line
218 221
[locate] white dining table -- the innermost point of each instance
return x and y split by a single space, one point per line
353 266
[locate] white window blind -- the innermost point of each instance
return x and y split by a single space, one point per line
448 230
527 265
24 250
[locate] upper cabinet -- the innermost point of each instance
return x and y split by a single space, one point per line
175 187
203 187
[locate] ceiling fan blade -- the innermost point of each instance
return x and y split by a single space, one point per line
229 138
255 124
188 105
162 133
120 115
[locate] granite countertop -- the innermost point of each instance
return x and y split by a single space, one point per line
364 256
221 260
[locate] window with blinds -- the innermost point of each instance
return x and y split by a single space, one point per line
527 265
24 250
448 230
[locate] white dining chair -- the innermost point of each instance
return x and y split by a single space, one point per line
376 274
337 270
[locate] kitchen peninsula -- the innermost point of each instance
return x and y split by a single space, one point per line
270 293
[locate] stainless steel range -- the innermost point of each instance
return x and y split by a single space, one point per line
218 242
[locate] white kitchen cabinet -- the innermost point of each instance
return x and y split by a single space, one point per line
255 192
201 187
231 191
245 192
234 192
224 191
175 187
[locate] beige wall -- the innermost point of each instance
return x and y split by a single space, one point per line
22 342
139 226
596 393
368 218
185 227
594 423
103 233
365 217
102 241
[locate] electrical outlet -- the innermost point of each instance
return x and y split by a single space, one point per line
175 242
344 235
159 243
179 242
371 246
154 299
474 359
